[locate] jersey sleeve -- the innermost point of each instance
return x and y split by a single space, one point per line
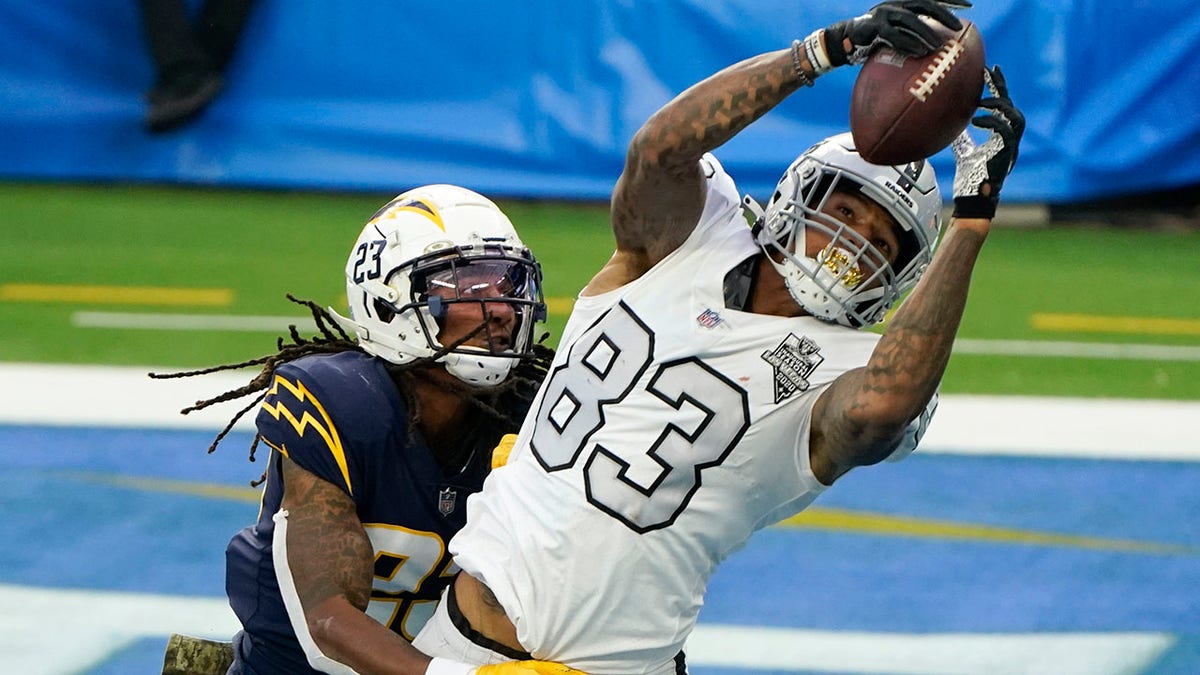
300 417
721 201
916 429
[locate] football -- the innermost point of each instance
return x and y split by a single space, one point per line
904 109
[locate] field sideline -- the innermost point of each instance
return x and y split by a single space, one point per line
712 647
105 396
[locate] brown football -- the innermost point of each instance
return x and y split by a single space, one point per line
904 108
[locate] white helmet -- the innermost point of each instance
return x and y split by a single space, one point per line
849 281
426 239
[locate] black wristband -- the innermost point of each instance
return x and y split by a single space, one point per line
835 44
975 206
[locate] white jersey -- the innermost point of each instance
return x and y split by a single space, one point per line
669 429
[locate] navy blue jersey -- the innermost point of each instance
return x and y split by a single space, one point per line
341 417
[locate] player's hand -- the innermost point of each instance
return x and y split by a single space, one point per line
896 24
980 170
528 668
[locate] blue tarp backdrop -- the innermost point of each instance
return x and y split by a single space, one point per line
538 98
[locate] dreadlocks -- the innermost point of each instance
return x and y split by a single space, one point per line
501 404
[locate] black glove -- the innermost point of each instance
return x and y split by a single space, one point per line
980 170
895 23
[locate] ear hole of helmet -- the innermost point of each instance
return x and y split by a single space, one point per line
384 311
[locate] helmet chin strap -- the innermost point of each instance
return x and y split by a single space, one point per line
480 370
818 286
351 326
474 365
757 214
476 369
384 346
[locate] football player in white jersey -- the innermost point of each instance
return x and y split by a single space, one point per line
714 378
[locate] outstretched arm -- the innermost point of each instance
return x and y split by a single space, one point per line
862 417
660 193
331 564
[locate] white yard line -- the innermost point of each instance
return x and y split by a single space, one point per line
1065 427
279 324
790 649
114 620
1084 350
216 322
105 396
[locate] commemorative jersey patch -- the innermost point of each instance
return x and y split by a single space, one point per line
794 360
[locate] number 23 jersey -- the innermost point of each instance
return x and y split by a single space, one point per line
341 417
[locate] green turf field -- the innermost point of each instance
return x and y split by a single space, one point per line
71 255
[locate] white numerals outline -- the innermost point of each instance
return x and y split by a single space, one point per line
414 557
603 368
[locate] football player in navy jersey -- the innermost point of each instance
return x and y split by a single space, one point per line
377 441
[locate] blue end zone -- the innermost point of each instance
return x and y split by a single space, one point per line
113 509
142 656
1083 581
90 532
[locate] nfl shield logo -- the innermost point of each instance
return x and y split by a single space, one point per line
446 501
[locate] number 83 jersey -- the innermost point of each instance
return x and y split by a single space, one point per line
669 429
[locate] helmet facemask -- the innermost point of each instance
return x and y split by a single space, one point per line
492 284
849 280
429 258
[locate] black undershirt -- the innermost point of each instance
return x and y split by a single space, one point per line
739 284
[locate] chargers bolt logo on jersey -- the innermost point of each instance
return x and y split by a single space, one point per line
793 360
293 402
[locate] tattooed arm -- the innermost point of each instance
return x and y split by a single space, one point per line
863 414
862 417
660 195
331 562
